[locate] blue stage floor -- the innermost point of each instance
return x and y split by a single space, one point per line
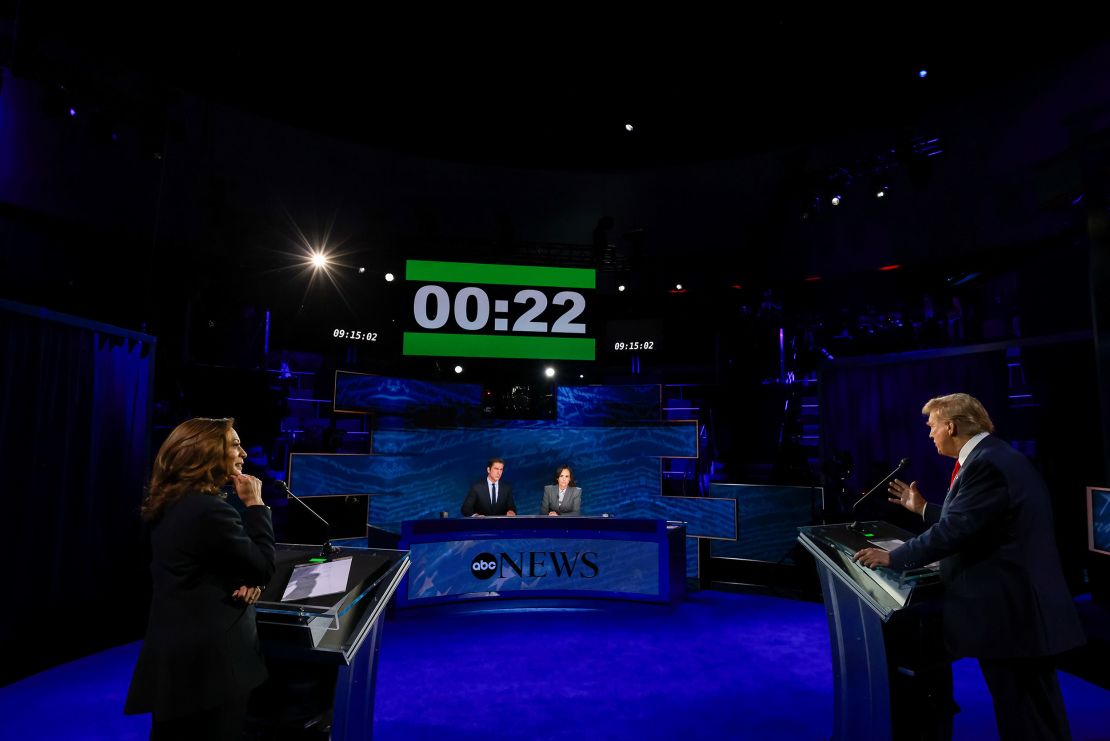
718 665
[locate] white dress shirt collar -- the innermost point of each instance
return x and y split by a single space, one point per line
969 446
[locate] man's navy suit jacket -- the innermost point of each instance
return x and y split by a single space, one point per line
1005 594
478 501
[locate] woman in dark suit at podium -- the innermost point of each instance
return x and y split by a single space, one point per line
201 657
564 497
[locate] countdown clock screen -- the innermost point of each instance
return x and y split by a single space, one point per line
466 309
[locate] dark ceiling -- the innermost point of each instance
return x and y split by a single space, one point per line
544 90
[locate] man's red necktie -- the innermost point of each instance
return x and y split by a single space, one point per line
955 470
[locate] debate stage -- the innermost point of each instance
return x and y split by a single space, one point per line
716 665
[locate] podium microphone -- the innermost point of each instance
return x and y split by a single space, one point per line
901 464
327 550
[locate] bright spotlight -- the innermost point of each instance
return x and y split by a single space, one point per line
678 286
581 375
881 194
628 127
458 369
835 200
549 372
361 271
923 73
319 260
389 277
621 288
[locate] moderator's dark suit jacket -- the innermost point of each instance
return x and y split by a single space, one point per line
1005 594
572 500
477 499
201 647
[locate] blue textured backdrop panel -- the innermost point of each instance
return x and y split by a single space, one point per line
577 406
691 558
704 516
416 474
675 440
607 406
769 518
1100 519
313 474
406 397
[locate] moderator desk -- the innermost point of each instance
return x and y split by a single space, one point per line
483 558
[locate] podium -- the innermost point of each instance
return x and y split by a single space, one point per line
341 630
891 677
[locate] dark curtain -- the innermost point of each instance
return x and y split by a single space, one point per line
871 409
75 413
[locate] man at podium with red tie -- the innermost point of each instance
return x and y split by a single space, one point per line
490 497
1006 601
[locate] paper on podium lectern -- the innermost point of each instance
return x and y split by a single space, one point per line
317 579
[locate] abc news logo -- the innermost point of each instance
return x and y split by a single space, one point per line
536 564
483 566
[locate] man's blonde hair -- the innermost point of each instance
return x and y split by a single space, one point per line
965 410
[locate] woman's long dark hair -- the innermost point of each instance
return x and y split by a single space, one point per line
193 458
559 470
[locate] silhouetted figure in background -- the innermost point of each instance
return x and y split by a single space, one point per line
331 439
837 470
258 465
602 250
955 317
791 467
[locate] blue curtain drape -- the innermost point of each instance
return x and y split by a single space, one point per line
75 415
871 409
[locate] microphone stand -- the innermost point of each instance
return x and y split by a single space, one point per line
327 550
901 464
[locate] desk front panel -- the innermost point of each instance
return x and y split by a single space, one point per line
491 563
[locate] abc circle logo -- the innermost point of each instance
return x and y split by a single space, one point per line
483 566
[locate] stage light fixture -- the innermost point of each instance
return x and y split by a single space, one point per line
880 193
549 372
389 277
319 260
72 112
835 200
361 271
678 286
621 288
923 73
581 375
628 127
458 369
